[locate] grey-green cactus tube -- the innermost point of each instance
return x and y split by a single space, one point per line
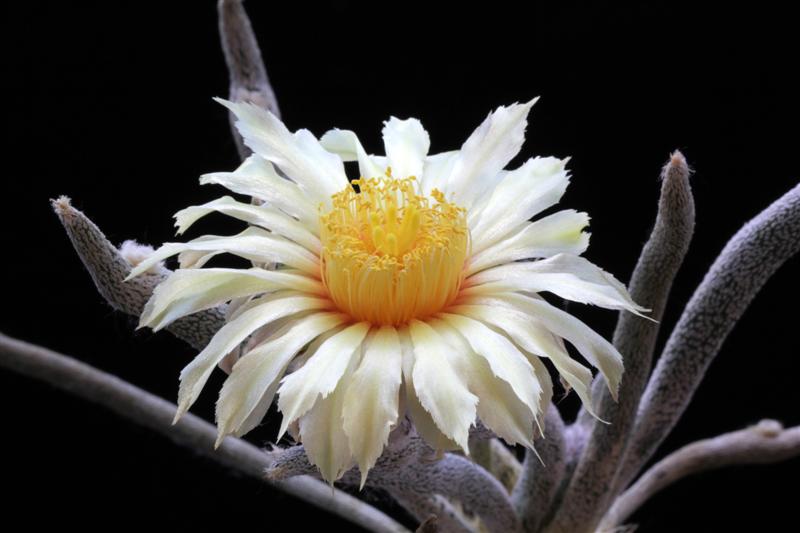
541 476
109 266
589 488
742 268
410 470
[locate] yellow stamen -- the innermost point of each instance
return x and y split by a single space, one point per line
390 254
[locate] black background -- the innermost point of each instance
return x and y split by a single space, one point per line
110 103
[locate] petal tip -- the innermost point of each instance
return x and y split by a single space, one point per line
222 101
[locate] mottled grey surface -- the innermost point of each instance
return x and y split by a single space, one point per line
494 457
536 490
410 469
423 506
589 490
108 269
575 437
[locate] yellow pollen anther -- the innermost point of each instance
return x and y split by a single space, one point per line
391 215
378 237
391 254
391 245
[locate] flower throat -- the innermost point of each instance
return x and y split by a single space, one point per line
390 254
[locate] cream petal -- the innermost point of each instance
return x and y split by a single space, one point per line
257 177
543 377
370 408
480 203
249 390
263 216
505 361
486 152
195 374
253 244
345 143
423 422
299 361
561 232
407 144
534 339
196 258
440 390
240 305
270 188
256 415
188 291
323 436
599 352
499 408
193 260
569 276
521 194
264 333
318 377
300 155
436 171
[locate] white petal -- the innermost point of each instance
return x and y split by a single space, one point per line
257 177
543 376
188 291
189 259
263 216
196 373
311 349
423 422
440 390
345 143
249 390
371 403
253 244
272 330
568 276
506 362
197 257
560 232
499 407
486 152
437 171
536 185
535 340
407 144
319 376
323 436
598 351
319 172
